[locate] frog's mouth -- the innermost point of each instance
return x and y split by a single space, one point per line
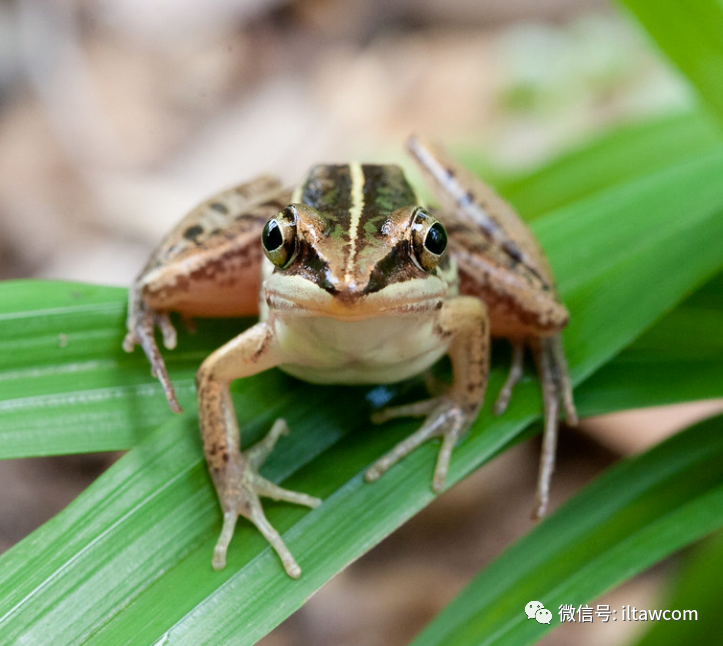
294 294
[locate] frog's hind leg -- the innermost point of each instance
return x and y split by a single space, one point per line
556 389
513 377
142 332
208 265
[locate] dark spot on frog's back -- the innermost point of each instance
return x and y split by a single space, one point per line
193 232
386 189
512 250
467 199
219 207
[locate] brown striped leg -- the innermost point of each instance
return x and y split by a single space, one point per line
208 265
556 388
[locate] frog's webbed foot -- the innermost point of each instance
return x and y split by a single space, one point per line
444 418
556 389
142 322
240 486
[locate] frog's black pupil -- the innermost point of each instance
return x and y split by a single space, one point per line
436 240
271 237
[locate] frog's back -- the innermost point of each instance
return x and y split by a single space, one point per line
363 190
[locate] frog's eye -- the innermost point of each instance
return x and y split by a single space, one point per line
429 239
279 237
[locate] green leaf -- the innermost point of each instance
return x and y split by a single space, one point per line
129 560
691 35
699 587
634 515
679 359
67 386
615 157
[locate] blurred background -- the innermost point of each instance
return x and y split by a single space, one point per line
117 116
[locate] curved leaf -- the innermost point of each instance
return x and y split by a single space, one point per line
679 359
616 157
634 515
699 587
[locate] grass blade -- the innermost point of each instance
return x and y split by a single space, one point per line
634 515
697 588
615 157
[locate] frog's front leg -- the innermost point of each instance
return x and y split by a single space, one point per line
235 472
463 321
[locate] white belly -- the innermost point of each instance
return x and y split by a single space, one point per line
377 350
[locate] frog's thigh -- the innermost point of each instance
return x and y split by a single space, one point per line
222 283
209 264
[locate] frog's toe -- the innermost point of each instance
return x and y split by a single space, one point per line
445 418
417 409
449 441
130 341
268 489
255 457
219 553
514 376
240 491
144 334
261 450
167 330
556 390
247 503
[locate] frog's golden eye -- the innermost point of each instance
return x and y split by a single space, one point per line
429 239
279 238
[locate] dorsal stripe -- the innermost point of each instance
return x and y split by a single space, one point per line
355 211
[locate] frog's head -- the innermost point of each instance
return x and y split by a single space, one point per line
354 243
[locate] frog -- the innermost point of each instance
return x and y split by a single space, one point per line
355 281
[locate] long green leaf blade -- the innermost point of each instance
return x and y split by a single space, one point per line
634 515
699 587
679 359
615 157
691 34
61 360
